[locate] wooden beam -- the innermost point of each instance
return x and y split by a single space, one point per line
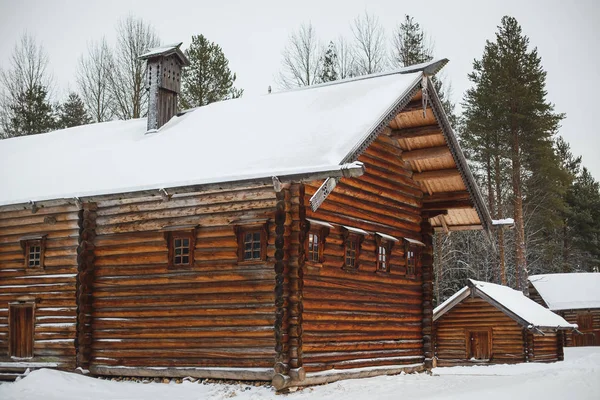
427 153
419 131
436 174
446 196
415 105
447 205
465 227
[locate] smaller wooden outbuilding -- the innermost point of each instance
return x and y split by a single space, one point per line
576 298
485 323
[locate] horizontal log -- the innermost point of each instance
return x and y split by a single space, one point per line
425 154
450 173
417 132
181 372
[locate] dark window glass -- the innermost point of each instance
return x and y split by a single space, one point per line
382 258
314 246
252 245
34 255
181 251
351 247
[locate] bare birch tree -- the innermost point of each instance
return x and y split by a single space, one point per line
369 46
27 71
301 63
93 79
345 63
127 73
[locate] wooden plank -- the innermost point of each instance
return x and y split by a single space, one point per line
417 132
436 174
427 153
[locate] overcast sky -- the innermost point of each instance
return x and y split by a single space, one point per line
253 33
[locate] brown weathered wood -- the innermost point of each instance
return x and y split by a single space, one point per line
425 154
420 131
436 174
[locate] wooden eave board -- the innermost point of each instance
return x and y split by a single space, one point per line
456 217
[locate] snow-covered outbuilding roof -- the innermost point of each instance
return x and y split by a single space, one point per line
568 291
512 302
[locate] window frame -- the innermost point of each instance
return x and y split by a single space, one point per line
26 244
416 249
386 244
321 232
173 235
350 237
31 339
241 231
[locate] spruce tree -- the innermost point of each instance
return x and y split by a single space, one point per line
328 64
208 79
410 47
31 113
585 223
72 112
409 44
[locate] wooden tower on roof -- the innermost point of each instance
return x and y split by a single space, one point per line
163 82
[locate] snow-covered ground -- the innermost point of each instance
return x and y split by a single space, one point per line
577 378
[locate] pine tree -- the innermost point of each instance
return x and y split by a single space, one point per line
328 64
208 79
31 113
509 110
72 112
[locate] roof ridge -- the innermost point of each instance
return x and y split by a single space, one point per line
429 68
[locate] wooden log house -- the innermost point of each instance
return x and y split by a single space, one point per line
485 323
285 237
576 298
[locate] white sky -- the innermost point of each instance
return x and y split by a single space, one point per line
253 33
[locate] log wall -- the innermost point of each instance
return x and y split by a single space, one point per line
508 344
365 318
588 337
52 289
546 348
218 313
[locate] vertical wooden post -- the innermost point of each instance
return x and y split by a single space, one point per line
560 340
282 289
427 287
295 265
85 279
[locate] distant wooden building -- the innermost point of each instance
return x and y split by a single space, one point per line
576 298
285 237
485 323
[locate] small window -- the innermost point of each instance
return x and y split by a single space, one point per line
314 247
20 330
412 259
34 250
252 243
315 241
382 259
384 244
352 244
181 248
351 252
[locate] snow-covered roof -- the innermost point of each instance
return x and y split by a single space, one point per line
568 291
387 237
512 302
299 131
166 50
